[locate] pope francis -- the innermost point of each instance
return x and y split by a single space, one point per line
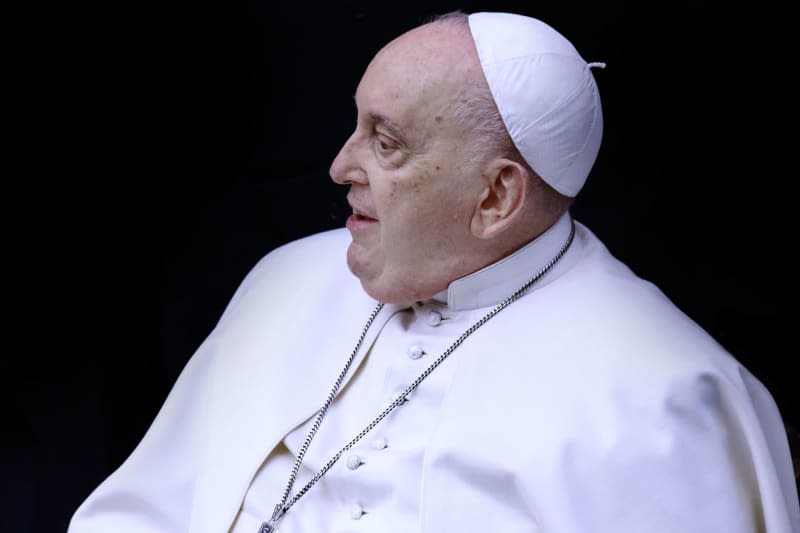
480 361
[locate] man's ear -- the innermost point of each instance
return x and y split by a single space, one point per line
507 185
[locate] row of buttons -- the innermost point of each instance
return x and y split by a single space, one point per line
355 461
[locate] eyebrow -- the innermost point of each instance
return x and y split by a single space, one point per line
393 127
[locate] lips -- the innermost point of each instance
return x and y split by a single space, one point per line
360 214
359 221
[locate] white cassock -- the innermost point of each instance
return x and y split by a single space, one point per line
591 404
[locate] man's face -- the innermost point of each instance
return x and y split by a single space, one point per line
412 187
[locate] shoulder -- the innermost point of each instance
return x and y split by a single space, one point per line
303 270
308 253
316 256
599 314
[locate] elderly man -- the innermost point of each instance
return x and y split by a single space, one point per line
483 364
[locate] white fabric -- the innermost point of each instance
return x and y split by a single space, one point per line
386 370
427 328
591 404
496 282
546 95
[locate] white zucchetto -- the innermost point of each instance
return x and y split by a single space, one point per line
546 95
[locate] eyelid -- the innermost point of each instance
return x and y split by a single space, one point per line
388 150
383 137
385 149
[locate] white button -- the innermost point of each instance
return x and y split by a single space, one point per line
415 351
353 462
356 511
434 318
379 443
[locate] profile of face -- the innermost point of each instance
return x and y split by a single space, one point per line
413 187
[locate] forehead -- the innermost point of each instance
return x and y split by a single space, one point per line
417 77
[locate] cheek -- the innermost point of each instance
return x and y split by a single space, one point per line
394 186
427 220
409 201
419 205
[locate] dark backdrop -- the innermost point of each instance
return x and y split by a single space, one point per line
166 147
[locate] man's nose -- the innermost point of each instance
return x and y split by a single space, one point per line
346 168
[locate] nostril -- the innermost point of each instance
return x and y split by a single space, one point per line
351 176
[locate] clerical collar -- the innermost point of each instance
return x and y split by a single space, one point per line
496 282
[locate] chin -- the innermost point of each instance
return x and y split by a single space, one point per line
357 265
378 288
383 286
366 268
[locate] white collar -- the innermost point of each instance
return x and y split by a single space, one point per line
496 282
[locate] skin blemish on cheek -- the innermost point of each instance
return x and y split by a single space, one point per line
438 118
438 167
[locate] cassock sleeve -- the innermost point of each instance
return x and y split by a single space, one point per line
715 459
152 490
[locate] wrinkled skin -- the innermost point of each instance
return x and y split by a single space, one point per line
413 189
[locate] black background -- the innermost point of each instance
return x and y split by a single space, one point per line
159 150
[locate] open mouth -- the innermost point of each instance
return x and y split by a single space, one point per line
357 221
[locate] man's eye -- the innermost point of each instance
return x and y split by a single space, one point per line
389 151
384 145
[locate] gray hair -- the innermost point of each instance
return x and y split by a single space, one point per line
475 108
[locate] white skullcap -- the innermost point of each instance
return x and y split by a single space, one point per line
546 95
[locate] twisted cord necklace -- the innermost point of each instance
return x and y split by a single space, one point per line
286 503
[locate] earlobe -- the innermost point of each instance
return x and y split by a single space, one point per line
501 200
